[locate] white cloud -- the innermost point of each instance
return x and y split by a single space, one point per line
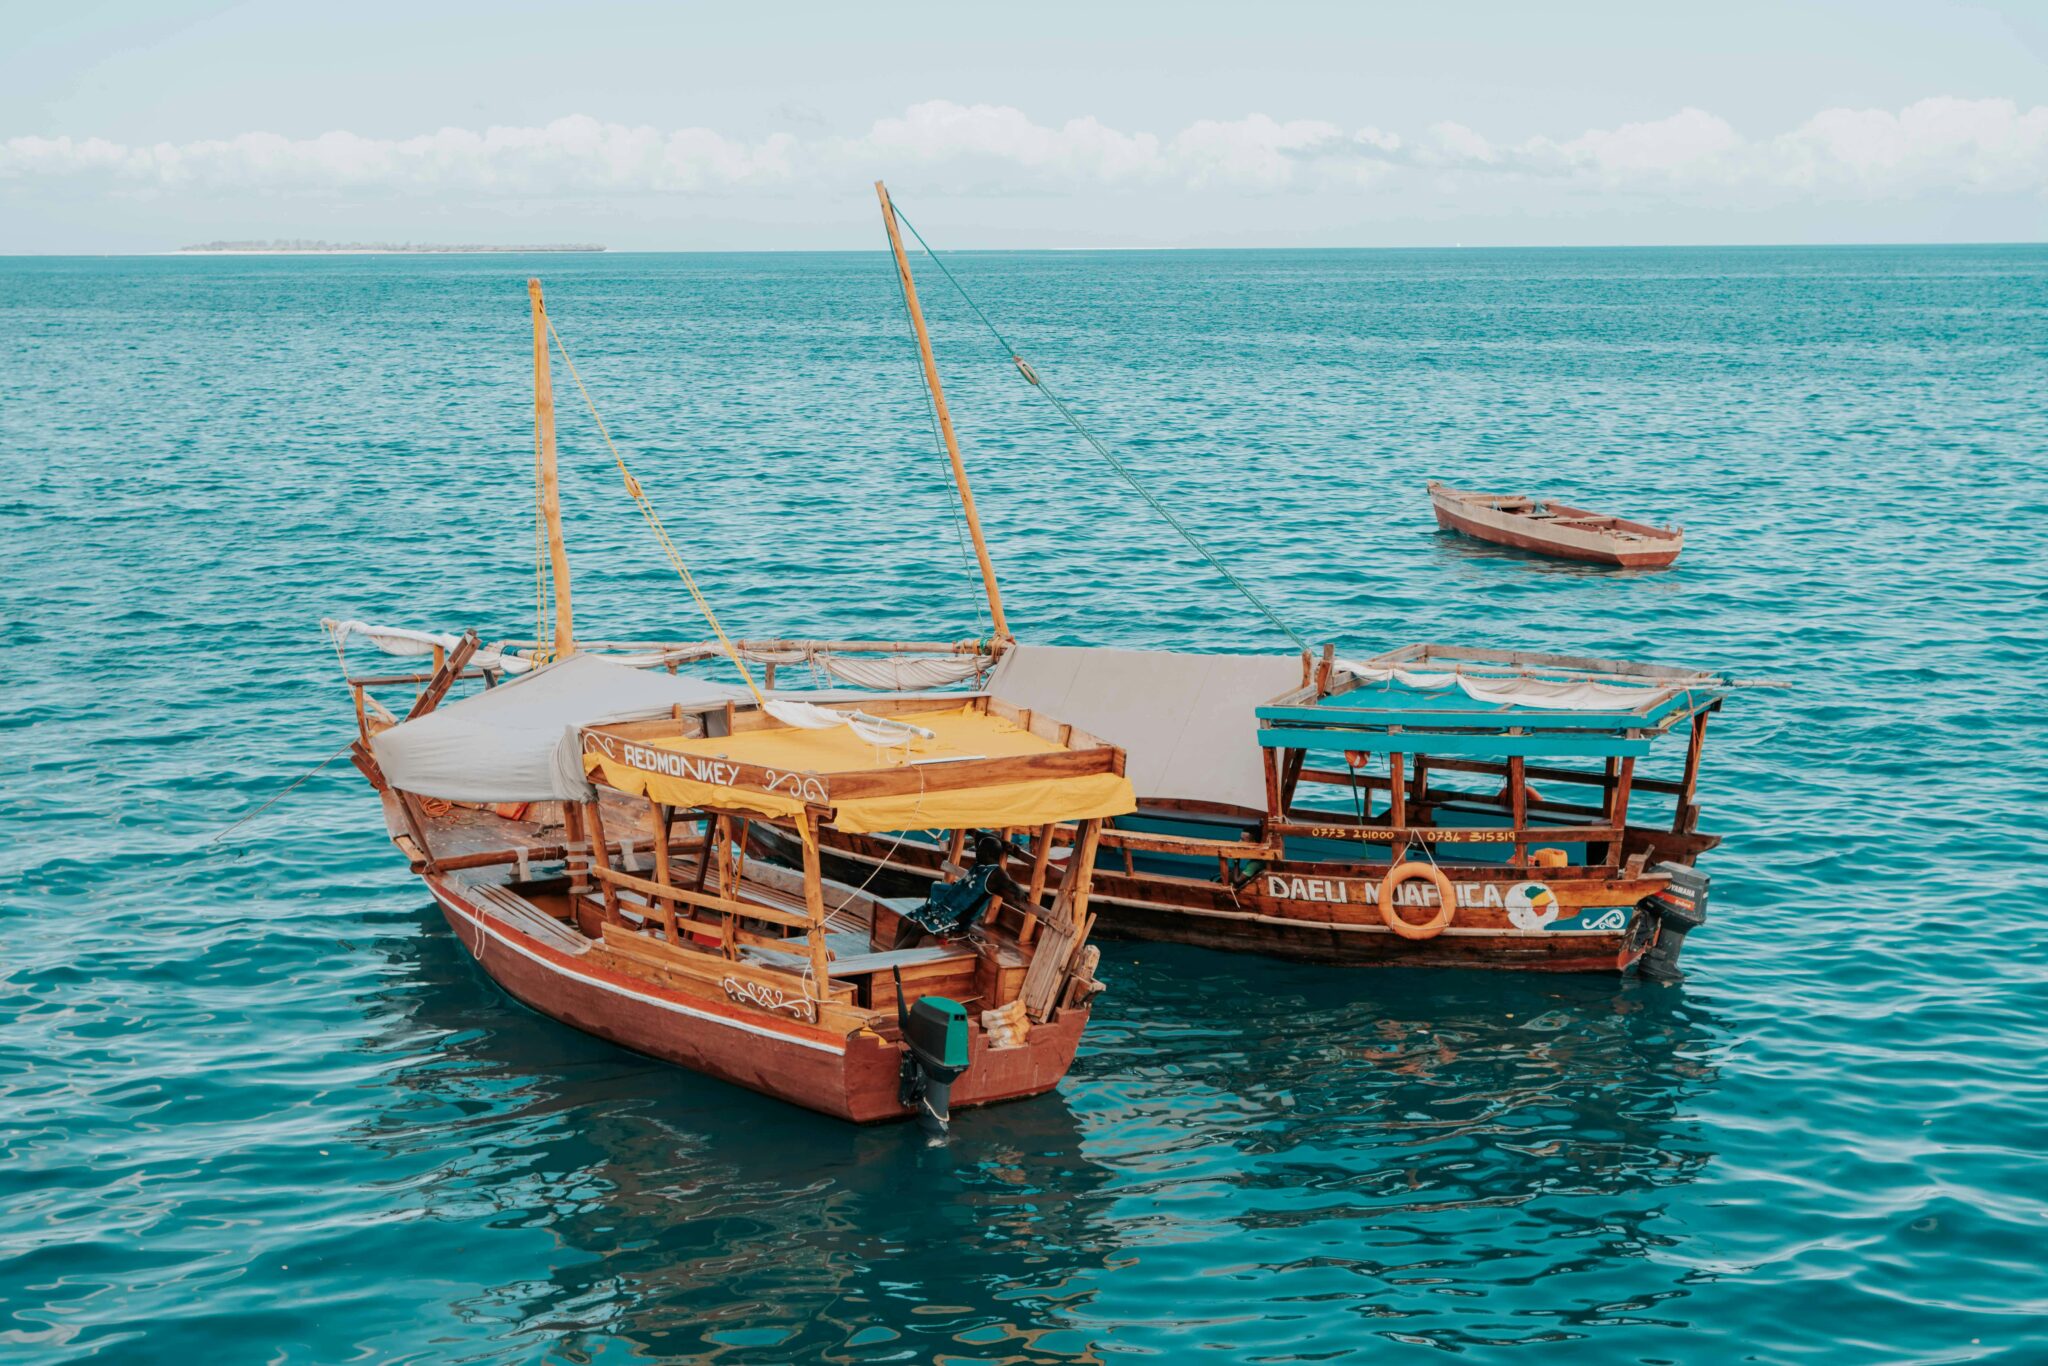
1935 145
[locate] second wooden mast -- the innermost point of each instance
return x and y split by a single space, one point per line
549 487
938 392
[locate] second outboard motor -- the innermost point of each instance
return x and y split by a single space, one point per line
934 1055
1680 909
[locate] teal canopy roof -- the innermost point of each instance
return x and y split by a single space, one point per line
1435 699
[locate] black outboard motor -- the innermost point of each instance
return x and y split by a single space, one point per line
934 1056
1680 909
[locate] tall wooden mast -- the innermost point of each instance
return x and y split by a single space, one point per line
931 379
550 488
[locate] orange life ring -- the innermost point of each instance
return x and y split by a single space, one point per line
1447 899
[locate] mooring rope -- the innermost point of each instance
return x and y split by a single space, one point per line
296 783
1033 378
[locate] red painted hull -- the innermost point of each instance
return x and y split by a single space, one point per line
852 1077
1541 545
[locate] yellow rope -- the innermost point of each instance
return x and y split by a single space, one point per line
641 501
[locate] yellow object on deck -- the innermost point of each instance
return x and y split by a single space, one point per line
794 767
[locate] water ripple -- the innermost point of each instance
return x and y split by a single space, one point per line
255 1105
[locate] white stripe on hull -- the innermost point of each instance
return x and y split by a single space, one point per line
483 924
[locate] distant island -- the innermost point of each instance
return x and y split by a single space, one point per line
294 246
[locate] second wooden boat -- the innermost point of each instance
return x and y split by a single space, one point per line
1433 807
1555 529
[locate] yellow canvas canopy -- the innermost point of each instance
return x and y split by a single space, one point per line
977 769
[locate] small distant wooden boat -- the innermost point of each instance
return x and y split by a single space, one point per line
1555 529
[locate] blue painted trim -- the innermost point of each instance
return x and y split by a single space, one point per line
1590 746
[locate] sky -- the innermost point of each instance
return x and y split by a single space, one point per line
142 127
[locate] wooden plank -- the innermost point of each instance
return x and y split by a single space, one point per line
577 859
658 827
1194 846
611 877
600 847
814 900
824 789
416 826
1687 814
446 671
1041 855
1617 809
1518 807
712 970
1064 925
1382 834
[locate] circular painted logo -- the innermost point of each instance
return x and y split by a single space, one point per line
1532 906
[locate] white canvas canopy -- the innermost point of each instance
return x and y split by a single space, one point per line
517 742
1185 721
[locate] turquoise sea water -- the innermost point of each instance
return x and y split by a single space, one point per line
257 1106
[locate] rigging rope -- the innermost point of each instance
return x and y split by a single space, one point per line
653 519
1032 377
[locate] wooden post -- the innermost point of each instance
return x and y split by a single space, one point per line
931 379
1326 671
724 863
704 854
447 669
1081 874
658 828
601 857
1290 777
1041 854
768 678
1687 815
572 835
956 847
415 822
1397 789
1275 810
1518 805
1066 928
1617 809
550 486
814 905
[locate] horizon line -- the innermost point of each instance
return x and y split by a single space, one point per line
180 253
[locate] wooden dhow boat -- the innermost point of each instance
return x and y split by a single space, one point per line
1431 807
1555 529
584 829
